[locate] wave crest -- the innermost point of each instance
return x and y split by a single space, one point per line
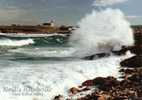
16 43
102 32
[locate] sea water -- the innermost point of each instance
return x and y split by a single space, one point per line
42 72
41 68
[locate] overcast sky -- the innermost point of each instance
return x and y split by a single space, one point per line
63 11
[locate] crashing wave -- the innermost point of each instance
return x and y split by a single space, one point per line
102 32
15 43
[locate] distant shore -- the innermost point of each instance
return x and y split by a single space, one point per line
47 28
43 28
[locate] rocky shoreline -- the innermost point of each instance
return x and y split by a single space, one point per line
127 87
110 88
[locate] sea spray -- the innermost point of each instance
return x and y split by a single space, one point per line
15 43
39 73
102 32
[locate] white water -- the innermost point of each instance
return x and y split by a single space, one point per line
46 51
15 43
51 78
101 32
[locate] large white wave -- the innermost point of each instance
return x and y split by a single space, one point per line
15 43
102 31
98 32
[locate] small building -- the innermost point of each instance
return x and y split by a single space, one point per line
50 24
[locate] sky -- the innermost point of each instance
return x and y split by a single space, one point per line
67 12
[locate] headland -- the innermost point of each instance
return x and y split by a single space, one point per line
41 28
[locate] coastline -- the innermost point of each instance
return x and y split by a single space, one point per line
127 87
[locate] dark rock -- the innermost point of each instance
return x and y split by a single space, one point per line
137 49
136 78
138 98
99 81
89 97
134 62
74 90
85 89
128 71
120 98
96 56
88 83
101 97
122 51
106 84
59 97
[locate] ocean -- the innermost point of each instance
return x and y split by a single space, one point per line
41 68
31 69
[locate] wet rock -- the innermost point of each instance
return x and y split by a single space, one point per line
122 51
74 90
132 62
59 97
109 88
138 98
99 81
137 49
106 83
85 89
101 97
128 71
88 83
136 78
96 56
120 98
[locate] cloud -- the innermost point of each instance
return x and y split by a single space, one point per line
16 15
107 2
7 13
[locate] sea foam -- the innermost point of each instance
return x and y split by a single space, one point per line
102 32
49 80
15 43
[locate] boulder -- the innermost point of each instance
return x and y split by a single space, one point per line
137 49
59 97
133 62
106 84
74 90
88 83
96 56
